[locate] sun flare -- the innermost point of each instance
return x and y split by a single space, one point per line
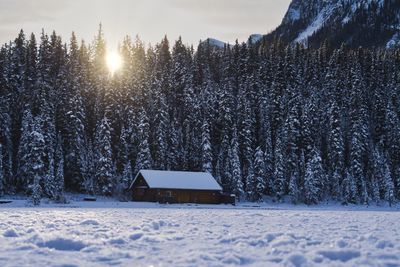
114 61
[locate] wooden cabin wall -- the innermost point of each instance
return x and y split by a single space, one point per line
176 196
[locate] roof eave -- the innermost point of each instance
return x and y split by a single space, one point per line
194 189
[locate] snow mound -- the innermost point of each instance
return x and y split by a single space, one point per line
10 233
340 255
384 244
117 241
63 244
298 260
89 222
135 236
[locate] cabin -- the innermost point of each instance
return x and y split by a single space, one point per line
178 187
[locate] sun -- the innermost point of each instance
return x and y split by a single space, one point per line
114 61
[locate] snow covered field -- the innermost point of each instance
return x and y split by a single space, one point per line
131 234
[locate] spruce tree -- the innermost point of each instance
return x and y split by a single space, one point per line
23 156
46 107
88 182
124 165
160 146
392 135
144 159
35 191
234 171
75 124
336 150
314 178
250 184
104 164
6 134
122 158
34 160
294 187
127 176
15 73
206 148
359 128
2 180
349 189
246 131
279 173
175 153
259 175
375 190
388 183
58 193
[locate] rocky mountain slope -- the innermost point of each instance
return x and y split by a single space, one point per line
364 23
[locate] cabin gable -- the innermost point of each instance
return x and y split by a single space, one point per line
139 182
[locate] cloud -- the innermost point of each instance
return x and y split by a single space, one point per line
27 11
238 12
193 19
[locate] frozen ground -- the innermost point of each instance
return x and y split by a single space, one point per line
131 234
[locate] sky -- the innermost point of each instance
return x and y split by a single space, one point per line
194 20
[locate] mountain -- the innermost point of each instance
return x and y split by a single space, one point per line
364 23
217 44
254 38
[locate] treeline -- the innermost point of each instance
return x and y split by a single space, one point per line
265 119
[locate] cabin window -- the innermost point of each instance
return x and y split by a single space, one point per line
168 193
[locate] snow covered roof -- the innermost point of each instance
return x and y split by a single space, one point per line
179 180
